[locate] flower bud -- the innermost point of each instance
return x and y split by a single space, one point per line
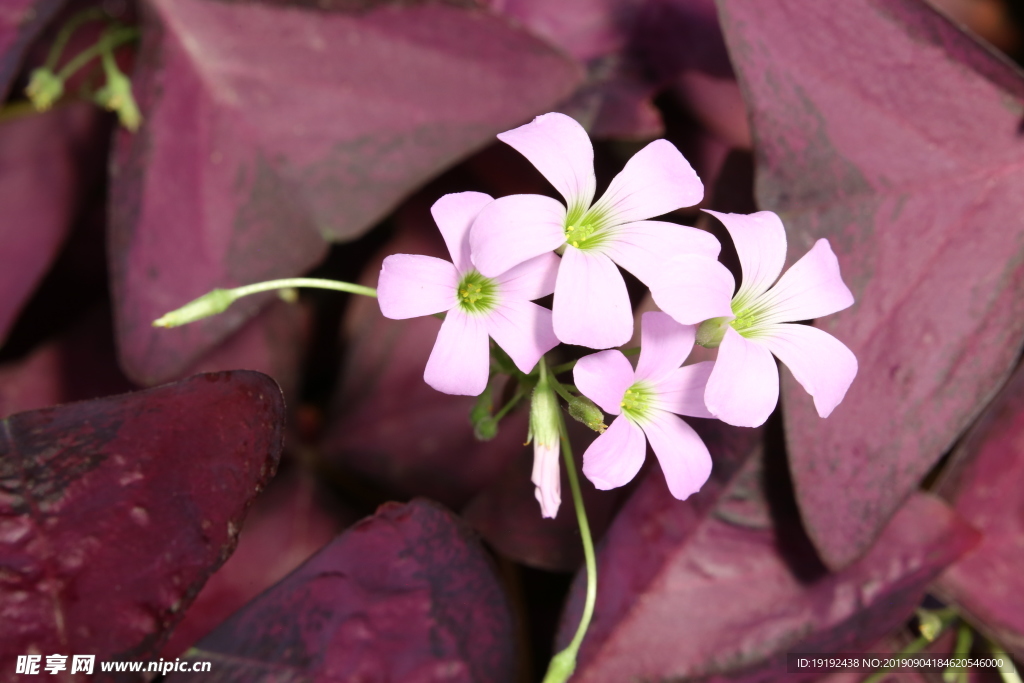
586 411
44 88
212 303
116 96
546 434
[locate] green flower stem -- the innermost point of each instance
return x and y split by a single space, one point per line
218 300
312 282
564 663
512 402
1008 673
109 41
66 31
947 617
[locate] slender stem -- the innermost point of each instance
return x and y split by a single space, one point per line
108 41
1008 673
559 388
312 282
57 49
947 616
564 663
516 397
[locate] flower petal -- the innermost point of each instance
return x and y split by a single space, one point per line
560 149
822 364
664 345
591 303
644 248
743 389
547 478
411 285
760 240
616 456
811 288
530 279
694 289
682 390
523 329
684 458
454 214
514 229
603 378
460 360
658 179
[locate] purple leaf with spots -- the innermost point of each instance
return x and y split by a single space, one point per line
984 484
114 512
725 583
883 127
270 130
406 595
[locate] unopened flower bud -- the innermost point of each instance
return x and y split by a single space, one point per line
116 96
546 434
44 88
212 303
586 411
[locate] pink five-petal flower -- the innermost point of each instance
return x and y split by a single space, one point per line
744 385
477 307
645 400
591 305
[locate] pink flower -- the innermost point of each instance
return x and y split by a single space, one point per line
478 307
647 399
591 305
744 385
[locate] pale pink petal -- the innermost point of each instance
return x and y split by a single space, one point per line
460 360
603 378
616 456
683 456
760 240
546 478
694 289
591 305
644 248
664 345
822 364
514 229
523 329
530 279
811 288
560 149
411 285
454 214
744 385
682 390
658 179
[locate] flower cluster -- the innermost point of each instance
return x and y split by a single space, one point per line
510 251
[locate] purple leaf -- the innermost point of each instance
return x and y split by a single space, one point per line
20 23
288 522
725 583
115 511
883 127
984 482
47 163
269 130
389 426
406 595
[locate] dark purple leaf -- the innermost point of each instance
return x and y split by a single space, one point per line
406 595
882 126
20 22
726 583
80 365
269 130
114 512
47 163
984 483
389 426
288 522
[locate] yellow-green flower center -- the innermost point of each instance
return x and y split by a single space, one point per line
476 293
585 229
637 402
